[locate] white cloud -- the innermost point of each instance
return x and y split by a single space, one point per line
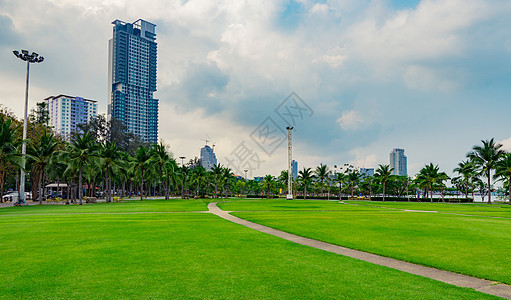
506 144
351 120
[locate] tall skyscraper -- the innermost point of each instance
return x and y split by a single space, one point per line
207 157
66 112
295 168
398 162
132 78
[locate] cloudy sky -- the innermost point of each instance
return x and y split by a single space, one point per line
432 77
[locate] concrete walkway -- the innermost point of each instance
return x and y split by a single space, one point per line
481 285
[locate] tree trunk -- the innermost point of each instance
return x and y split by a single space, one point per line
509 191
39 185
2 176
431 192
384 191
305 192
80 186
142 187
489 188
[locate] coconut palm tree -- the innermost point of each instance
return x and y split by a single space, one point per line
80 151
466 169
485 158
322 172
306 178
352 180
217 172
227 177
8 153
198 175
503 171
430 176
109 158
340 179
142 161
268 184
383 174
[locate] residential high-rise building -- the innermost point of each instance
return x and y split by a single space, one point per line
207 157
66 112
398 162
367 172
132 78
294 163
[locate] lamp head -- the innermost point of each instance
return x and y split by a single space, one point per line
24 52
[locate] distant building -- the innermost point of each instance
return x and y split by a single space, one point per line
294 164
132 78
207 157
398 162
66 112
367 172
258 179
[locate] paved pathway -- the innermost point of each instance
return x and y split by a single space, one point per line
481 285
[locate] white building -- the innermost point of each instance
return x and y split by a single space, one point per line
66 112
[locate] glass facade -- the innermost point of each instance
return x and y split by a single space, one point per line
132 78
398 161
207 157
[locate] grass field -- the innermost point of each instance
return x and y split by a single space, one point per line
475 245
186 255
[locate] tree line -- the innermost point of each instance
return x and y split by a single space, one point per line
103 159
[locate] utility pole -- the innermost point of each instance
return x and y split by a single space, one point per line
289 163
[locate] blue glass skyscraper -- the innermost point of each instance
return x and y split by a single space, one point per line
132 78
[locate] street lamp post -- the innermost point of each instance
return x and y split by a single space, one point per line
182 160
29 58
289 163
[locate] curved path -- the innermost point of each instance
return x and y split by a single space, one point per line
481 285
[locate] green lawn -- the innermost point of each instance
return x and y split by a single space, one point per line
483 209
186 255
124 207
472 245
285 205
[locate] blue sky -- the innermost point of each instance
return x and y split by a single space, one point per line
428 76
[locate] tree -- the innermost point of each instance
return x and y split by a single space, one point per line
42 154
383 174
306 178
322 172
430 175
198 174
217 172
268 184
81 149
141 162
467 171
8 153
340 178
110 156
352 180
503 171
485 158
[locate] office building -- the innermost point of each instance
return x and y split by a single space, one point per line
367 172
132 78
398 162
66 112
207 157
294 164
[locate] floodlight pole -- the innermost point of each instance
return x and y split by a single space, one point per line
29 58
289 163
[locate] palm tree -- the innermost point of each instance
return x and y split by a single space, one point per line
8 153
198 175
383 174
353 180
305 177
80 151
485 158
227 177
217 172
161 156
141 163
340 178
322 172
268 184
430 175
503 171
110 156
467 170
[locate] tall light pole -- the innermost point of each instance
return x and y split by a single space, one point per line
289 163
182 160
29 58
